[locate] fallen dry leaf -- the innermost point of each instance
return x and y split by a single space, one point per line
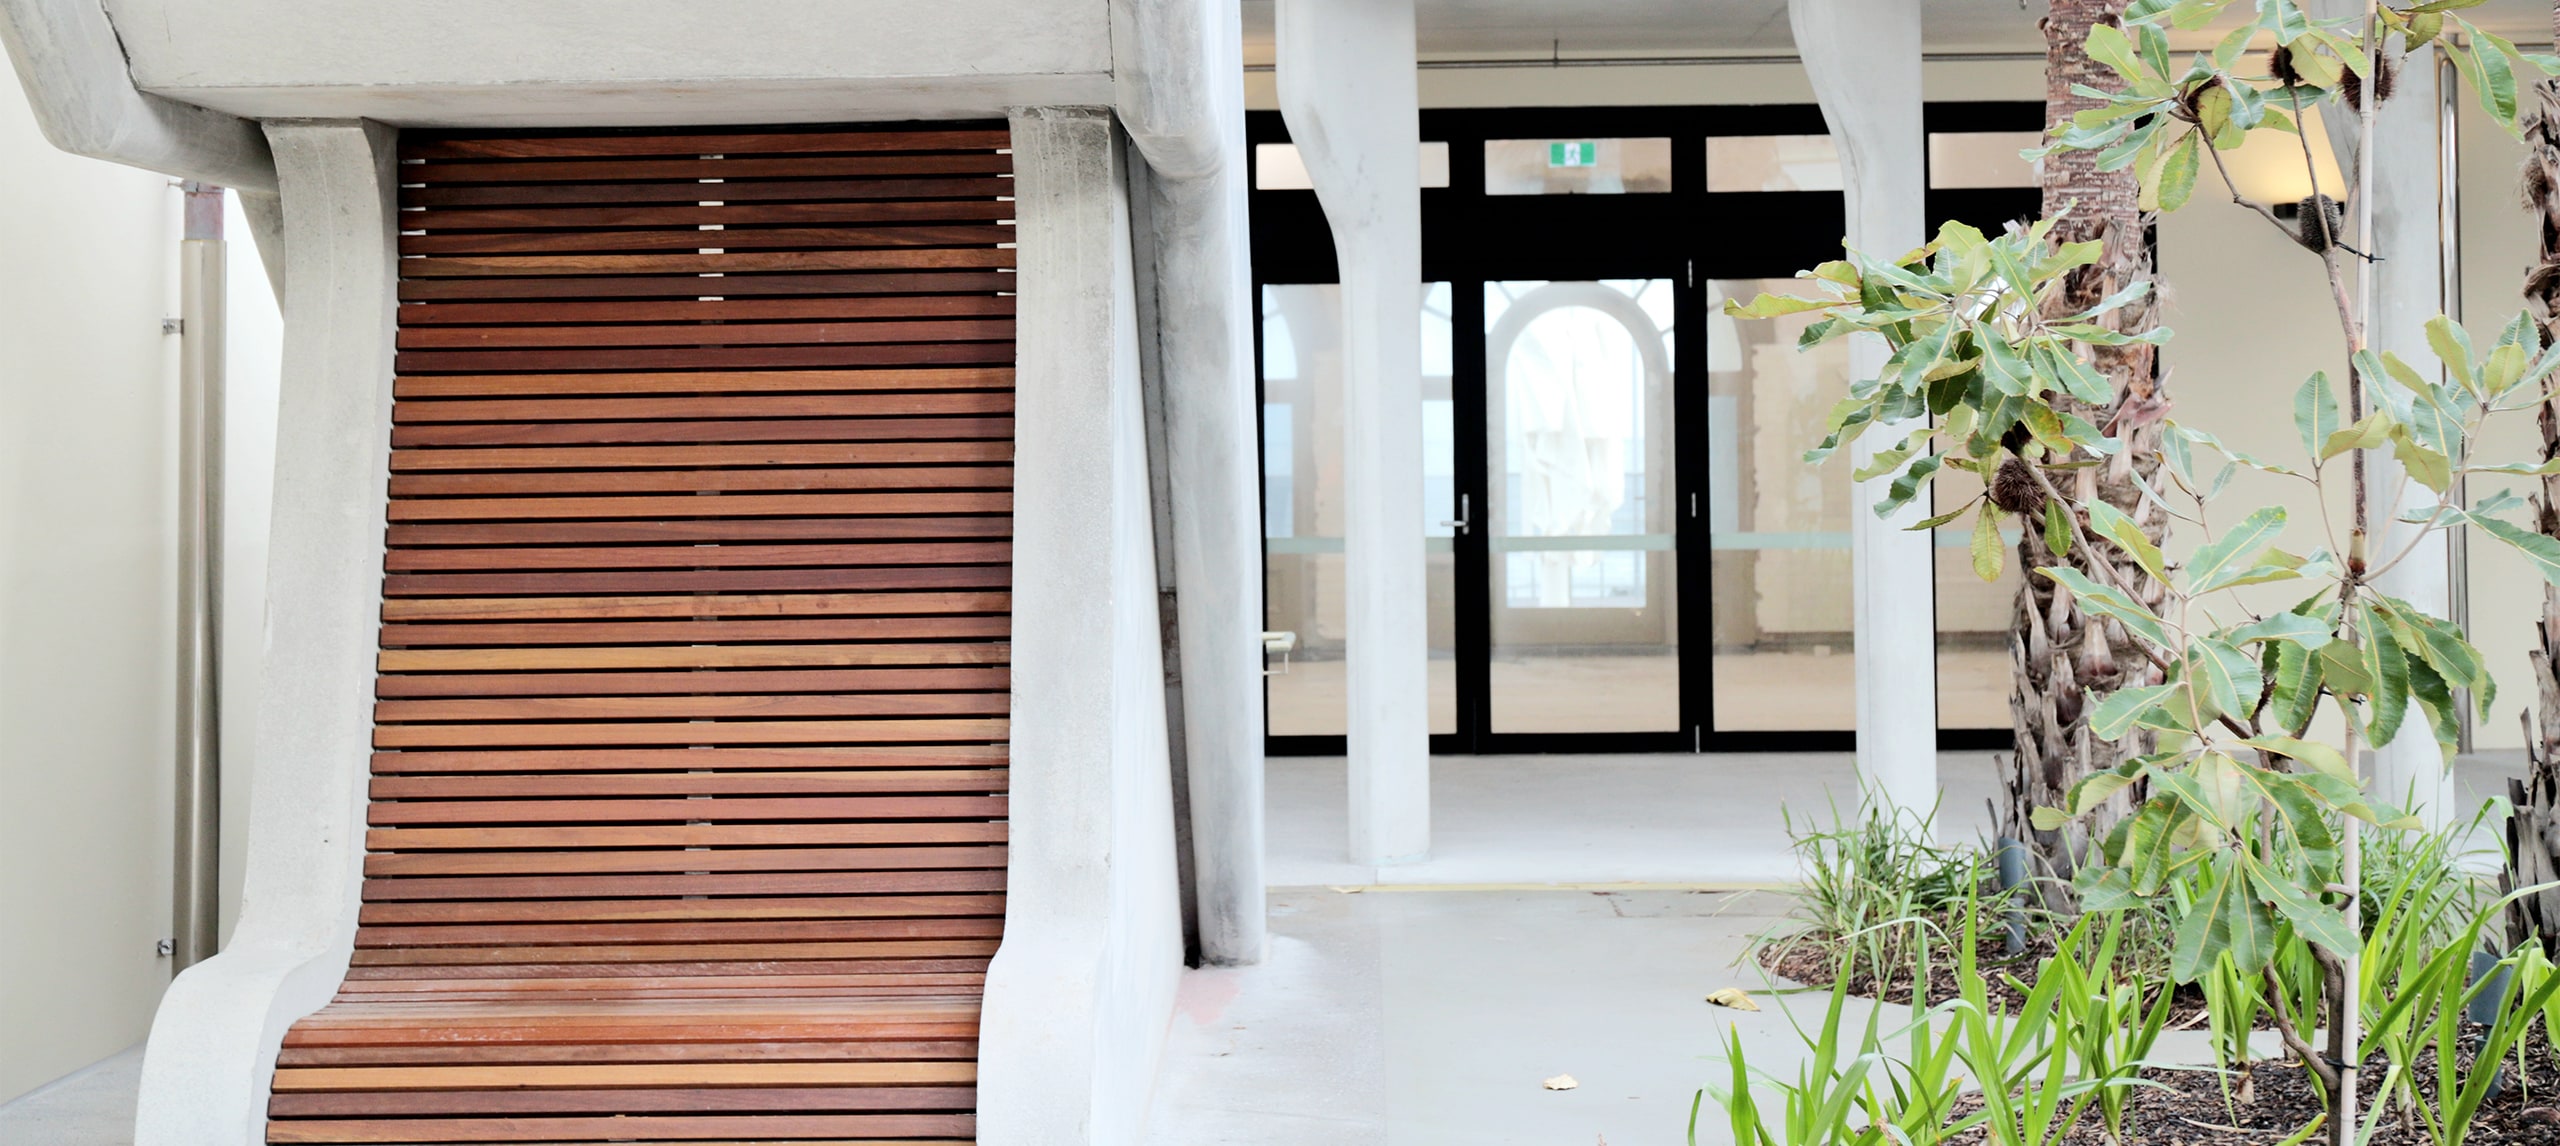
1734 997
1561 1082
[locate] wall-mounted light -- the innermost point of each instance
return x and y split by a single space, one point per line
2268 168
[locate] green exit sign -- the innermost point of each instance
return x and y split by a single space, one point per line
1573 153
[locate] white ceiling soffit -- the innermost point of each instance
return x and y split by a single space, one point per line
1450 30
639 62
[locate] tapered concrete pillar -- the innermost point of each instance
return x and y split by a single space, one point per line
1864 59
1181 83
2412 193
1346 79
214 1042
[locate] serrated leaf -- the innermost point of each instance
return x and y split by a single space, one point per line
2435 697
2095 788
2047 819
2057 529
2364 435
1987 546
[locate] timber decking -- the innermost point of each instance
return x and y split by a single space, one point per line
688 798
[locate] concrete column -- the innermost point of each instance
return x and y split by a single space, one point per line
1346 80
2407 288
213 1045
1182 99
1079 995
1864 59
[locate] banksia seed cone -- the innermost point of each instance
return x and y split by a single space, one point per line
2280 64
2014 489
2386 76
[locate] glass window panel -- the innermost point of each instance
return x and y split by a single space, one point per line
1959 159
1303 504
1973 616
1576 166
1778 529
1280 166
1772 163
1585 592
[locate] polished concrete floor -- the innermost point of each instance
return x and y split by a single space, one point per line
1657 818
93 1107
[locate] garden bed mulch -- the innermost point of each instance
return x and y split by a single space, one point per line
1813 966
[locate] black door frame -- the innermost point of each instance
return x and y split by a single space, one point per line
1688 235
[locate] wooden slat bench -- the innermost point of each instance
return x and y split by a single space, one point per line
688 804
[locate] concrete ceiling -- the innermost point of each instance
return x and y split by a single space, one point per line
1490 29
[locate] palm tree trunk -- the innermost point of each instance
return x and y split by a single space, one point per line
2533 835
2060 652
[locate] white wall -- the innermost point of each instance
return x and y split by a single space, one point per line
88 256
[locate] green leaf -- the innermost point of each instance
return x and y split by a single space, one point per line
2178 171
2116 715
2444 716
2297 691
2319 757
2047 819
2308 632
2424 466
2111 523
2093 789
2227 677
1987 546
2253 533
2311 920
2542 551
2452 345
1774 305
2224 918
2388 667
2364 435
2107 45
2315 412
2109 601
2342 665
2057 528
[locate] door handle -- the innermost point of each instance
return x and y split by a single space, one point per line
1459 522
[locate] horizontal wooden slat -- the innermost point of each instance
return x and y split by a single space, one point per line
699 481
695 239
869 1128
744 605
683 931
617 956
686 358
743 580
837 453
935 504
699 557
690 286
636 170
696 215
658 1075
705 334
693 656
765 884
395 870
827 430
993 187
697 783
611 144
697 682
724 263
685 836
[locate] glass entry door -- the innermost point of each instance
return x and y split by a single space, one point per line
1581 563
